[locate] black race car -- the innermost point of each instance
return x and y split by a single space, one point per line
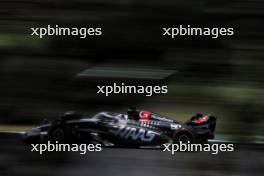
134 129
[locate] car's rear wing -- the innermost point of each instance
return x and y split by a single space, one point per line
201 119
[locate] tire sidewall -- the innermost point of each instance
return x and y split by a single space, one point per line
184 137
58 132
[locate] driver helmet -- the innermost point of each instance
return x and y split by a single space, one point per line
133 113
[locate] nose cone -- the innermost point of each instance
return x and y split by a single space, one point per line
32 136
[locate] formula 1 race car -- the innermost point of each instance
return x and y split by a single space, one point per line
134 129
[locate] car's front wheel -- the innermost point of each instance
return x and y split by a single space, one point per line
58 133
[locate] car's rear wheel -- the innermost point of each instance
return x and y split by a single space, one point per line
183 137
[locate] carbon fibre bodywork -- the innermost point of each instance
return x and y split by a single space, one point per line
114 129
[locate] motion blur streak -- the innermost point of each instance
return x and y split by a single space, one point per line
17 159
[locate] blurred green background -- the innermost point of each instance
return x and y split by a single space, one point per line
223 77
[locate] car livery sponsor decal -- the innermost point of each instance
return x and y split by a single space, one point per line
175 126
127 132
160 118
144 115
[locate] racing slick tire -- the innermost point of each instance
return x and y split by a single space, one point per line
58 132
183 137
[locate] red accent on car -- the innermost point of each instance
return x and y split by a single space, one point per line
201 119
144 115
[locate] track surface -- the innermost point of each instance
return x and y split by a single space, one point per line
16 159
